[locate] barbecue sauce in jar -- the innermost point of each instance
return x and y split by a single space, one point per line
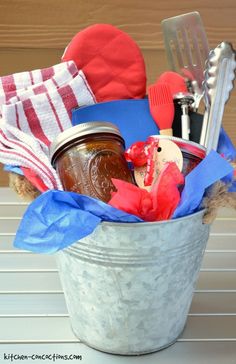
88 156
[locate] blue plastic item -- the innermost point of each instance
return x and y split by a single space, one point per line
132 117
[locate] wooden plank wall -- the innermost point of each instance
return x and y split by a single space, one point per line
33 33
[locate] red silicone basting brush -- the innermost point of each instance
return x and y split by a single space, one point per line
180 93
162 106
175 81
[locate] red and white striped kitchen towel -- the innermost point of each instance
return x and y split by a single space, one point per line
10 84
37 114
19 149
47 114
60 78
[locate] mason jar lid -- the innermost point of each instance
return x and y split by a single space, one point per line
85 129
185 145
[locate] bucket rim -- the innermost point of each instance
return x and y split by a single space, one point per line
153 223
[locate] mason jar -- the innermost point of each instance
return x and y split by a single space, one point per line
87 157
193 153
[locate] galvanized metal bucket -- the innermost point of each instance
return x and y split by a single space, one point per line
129 287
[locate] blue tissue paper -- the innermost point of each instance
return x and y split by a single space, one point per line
14 169
211 169
57 219
228 151
232 187
226 147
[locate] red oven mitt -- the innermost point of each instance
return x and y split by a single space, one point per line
111 61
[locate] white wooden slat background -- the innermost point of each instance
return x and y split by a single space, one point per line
34 317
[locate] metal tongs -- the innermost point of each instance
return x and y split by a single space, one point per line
217 85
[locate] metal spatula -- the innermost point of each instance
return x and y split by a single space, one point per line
187 49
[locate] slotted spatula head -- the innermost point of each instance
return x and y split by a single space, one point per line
186 45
